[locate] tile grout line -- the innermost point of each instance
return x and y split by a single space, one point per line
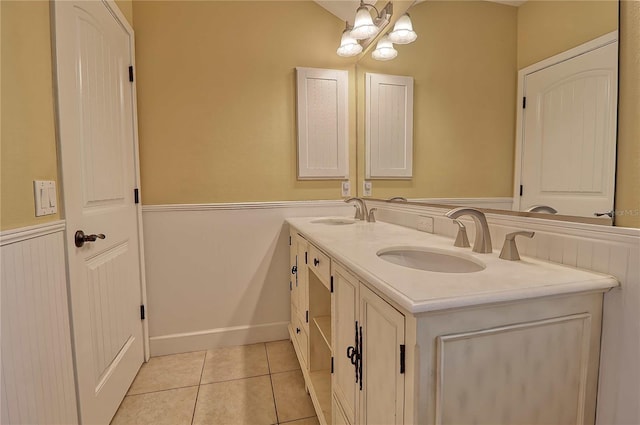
195 404
163 390
273 393
234 379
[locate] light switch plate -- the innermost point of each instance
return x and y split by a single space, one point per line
346 188
44 194
425 224
367 188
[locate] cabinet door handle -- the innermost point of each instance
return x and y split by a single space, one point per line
352 354
316 262
297 330
294 269
360 358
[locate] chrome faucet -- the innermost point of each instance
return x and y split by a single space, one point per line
542 209
361 208
510 249
397 199
482 242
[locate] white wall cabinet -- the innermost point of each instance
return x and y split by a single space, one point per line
388 126
323 123
533 361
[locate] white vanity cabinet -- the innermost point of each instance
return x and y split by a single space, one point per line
370 359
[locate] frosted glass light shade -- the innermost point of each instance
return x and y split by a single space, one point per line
384 50
403 32
363 26
349 46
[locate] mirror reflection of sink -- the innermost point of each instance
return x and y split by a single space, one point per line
335 221
432 260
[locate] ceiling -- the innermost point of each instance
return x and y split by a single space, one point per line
346 9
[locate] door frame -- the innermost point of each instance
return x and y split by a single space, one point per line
122 20
587 47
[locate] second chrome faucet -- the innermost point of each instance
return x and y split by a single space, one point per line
482 241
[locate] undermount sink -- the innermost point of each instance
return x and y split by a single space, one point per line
432 260
335 221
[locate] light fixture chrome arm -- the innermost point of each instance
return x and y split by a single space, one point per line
482 242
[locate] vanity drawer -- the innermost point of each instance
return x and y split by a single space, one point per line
320 263
301 341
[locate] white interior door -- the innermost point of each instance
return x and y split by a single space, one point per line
569 137
99 174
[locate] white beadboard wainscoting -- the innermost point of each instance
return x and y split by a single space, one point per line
38 385
218 274
604 249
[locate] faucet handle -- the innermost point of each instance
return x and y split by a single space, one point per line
462 240
510 249
371 218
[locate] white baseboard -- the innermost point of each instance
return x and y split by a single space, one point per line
221 337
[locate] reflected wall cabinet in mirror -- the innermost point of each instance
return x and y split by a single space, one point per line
465 68
389 126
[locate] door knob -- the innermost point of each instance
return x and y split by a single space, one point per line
81 238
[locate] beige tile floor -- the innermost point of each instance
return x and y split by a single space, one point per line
257 384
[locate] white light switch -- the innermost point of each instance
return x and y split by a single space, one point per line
44 193
367 188
346 188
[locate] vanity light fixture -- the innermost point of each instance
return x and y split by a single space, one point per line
349 46
384 50
403 32
364 26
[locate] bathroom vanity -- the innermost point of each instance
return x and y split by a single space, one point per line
379 342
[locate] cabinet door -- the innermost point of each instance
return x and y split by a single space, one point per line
303 276
293 275
382 331
343 322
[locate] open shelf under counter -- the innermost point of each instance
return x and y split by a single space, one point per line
324 326
321 381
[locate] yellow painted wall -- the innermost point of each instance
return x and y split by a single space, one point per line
28 144
216 98
628 176
463 64
549 27
27 136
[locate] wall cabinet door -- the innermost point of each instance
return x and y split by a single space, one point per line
382 380
344 322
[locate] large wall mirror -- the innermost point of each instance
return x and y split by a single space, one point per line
465 67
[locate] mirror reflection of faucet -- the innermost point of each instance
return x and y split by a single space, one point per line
542 209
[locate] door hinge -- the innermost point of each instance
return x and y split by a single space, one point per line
332 284
289 240
305 258
290 286
136 195
142 315
307 318
131 74
521 190
332 364
524 102
402 358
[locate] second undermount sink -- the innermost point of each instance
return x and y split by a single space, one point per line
432 260
335 221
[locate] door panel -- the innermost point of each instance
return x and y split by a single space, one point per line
570 134
382 395
98 157
344 317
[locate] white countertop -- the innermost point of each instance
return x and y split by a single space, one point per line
356 247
